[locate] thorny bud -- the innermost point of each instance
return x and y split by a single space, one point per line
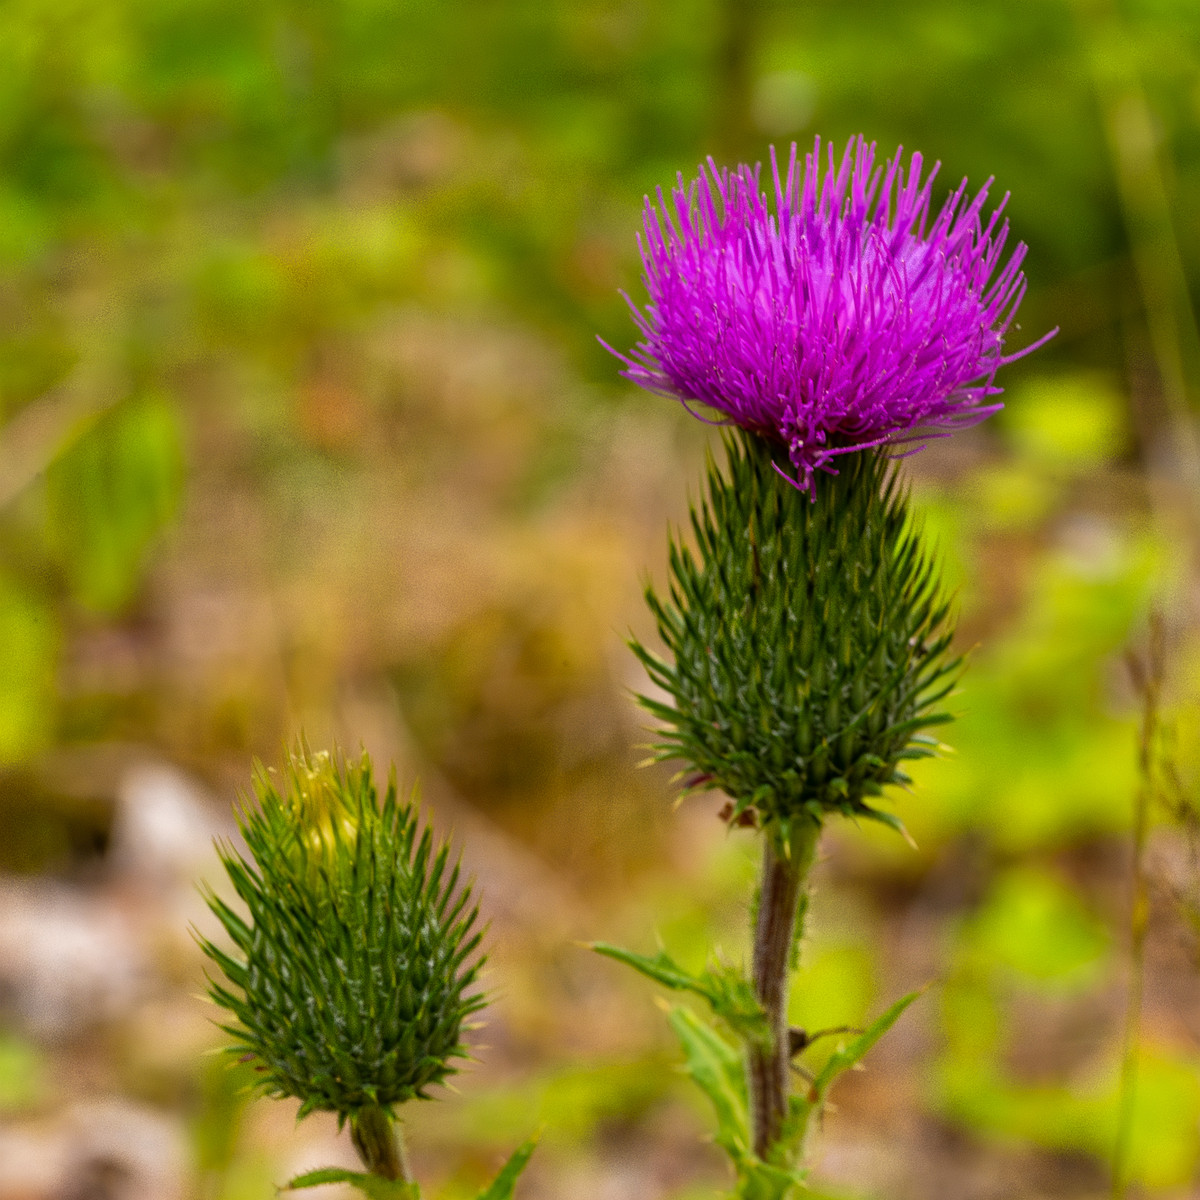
808 640
355 967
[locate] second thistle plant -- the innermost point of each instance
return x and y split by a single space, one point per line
356 967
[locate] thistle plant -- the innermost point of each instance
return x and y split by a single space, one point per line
806 630
355 970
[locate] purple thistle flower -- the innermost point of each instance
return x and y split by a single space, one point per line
844 320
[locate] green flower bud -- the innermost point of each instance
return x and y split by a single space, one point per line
356 968
808 639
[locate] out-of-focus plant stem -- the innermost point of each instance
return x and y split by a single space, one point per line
1148 678
1131 133
48 428
739 37
785 871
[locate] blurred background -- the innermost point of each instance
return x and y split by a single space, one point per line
304 426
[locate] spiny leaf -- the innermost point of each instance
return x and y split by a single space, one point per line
371 1186
717 1069
729 994
733 1000
846 1057
661 968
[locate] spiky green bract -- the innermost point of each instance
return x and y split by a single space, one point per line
357 966
808 639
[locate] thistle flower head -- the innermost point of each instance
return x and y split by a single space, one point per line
849 316
355 967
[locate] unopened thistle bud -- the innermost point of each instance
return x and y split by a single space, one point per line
808 639
356 964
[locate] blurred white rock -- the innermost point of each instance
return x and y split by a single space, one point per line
67 960
164 827
33 1161
110 1148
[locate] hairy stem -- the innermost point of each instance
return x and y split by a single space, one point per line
379 1143
785 869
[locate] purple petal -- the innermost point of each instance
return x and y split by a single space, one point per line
850 316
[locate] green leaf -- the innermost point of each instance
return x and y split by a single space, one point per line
728 992
758 1180
110 495
661 968
30 635
370 1185
732 998
501 1188
847 1056
717 1069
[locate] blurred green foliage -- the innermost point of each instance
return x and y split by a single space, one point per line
210 212
200 188
22 1074
108 498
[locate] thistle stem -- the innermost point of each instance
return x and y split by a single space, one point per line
785 870
380 1143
